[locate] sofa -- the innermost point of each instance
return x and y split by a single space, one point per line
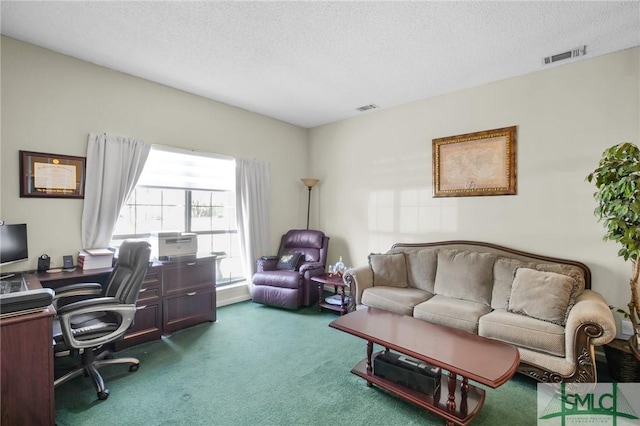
542 305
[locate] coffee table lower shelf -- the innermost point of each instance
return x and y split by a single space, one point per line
466 407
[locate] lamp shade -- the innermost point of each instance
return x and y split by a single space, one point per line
309 182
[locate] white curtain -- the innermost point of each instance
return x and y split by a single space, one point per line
252 212
114 164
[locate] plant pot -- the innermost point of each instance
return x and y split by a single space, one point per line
621 362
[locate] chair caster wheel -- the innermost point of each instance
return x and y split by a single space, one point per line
103 395
134 367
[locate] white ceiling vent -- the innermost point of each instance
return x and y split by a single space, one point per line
578 51
367 107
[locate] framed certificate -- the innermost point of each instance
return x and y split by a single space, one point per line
51 175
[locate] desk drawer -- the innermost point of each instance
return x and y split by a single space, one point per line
188 309
148 293
147 325
151 286
188 275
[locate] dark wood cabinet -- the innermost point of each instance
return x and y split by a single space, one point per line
26 362
147 324
174 295
189 293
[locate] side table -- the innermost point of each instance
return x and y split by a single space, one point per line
339 287
622 364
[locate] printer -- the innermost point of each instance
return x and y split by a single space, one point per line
174 245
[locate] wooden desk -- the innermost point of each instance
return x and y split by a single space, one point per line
26 367
78 275
174 295
26 355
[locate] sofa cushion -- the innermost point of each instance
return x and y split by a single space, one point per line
460 314
572 271
504 269
389 270
523 331
394 299
289 261
542 295
465 275
421 268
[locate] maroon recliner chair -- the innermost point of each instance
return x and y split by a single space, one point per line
284 281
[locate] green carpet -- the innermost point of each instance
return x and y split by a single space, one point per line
261 366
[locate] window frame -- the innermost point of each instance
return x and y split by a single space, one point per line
187 213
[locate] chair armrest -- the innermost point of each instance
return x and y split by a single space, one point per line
590 309
314 268
74 290
88 303
126 312
358 279
267 263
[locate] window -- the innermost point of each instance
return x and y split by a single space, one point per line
188 192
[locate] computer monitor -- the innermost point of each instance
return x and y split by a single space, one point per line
13 243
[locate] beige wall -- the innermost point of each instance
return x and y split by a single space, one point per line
376 169
51 102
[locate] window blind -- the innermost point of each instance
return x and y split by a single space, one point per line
169 167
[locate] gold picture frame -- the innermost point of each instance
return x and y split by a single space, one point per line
51 175
475 164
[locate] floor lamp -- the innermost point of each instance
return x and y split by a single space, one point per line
309 183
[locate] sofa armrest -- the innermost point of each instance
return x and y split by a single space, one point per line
590 309
358 279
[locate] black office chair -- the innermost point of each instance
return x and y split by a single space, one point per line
87 326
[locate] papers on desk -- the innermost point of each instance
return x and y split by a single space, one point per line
99 252
95 258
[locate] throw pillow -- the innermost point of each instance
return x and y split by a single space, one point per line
421 268
503 272
542 295
389 270
288 261
465 275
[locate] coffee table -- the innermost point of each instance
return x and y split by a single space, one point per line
469 356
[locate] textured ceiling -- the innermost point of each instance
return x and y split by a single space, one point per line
311 63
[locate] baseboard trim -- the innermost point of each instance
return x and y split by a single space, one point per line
236 293
231 301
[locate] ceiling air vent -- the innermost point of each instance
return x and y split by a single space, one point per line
367 107
578 51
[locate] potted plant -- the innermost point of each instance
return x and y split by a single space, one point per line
617 180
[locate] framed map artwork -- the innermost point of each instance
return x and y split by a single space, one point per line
482 163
